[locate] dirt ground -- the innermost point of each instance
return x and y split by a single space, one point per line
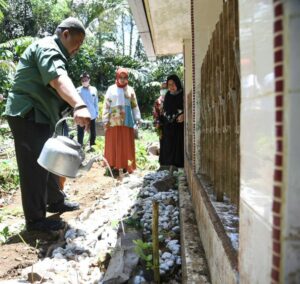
17 253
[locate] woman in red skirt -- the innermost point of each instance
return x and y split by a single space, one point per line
120 114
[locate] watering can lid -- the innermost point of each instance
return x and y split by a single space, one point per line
69 142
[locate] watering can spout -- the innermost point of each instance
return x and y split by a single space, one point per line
85 168
63 156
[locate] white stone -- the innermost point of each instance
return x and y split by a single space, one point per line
176 229
170 263
178 260
166 255
164 266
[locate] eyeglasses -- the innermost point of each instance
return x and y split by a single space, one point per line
123 78
84 80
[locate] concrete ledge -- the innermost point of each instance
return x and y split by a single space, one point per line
194 264
221 256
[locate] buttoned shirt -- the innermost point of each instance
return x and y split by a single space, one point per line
43 61
90 98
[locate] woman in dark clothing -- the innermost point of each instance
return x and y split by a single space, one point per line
172 143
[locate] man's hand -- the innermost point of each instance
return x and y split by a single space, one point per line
82 117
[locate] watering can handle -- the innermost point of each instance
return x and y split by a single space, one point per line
55 134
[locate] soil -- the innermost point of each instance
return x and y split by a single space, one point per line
17 254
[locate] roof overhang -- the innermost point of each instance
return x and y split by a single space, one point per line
162 25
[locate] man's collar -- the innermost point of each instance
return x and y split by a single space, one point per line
61 47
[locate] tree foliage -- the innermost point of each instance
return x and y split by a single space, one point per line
3 6
102 53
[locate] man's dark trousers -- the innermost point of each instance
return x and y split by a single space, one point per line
80 133
38 186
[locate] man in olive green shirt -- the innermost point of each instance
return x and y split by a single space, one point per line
42 90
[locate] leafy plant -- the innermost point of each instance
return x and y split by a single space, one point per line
99 146
142 160
144 251
114 224
9 175
3 6
133 222
4 234
141 155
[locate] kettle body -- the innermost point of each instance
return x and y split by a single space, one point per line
62 156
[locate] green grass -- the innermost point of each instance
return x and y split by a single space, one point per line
9 175
5 212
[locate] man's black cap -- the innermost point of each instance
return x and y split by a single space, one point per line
72 23
84 75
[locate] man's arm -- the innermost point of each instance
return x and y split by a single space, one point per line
67 91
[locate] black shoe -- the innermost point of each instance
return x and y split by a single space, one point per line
91 150
45 225
62 207
115 172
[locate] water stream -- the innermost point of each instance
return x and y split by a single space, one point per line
115 185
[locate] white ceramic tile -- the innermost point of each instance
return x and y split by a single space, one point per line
255 253
292 118
256 43
294 41
257 140
291 265
257 105
291 210
257 153
263 50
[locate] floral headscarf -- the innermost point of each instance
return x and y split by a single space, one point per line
124 83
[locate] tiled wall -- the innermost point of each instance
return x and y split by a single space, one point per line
279 76
257 140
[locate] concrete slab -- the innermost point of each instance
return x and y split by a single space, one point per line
194 265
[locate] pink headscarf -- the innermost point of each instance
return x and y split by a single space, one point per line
124 83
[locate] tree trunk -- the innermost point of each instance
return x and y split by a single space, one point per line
123 34
131 36
100 41
138 47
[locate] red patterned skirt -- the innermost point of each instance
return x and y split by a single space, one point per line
120 148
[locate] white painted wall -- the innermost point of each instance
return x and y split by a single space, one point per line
257 140
291 206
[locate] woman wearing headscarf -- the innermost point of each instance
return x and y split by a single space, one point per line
120 114
172 140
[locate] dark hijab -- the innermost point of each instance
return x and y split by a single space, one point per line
176 81
173 104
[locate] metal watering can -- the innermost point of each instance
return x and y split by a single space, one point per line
63 156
